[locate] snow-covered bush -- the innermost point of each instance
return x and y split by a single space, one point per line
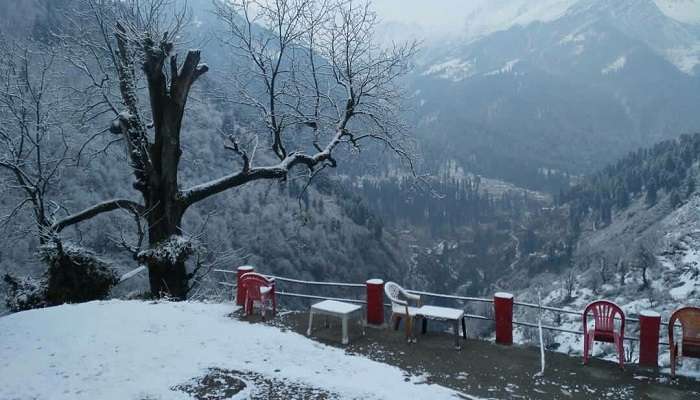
24 293
75 274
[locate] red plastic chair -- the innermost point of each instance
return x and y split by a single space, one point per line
258 288
604 314
689 317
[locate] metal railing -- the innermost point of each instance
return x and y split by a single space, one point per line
435 295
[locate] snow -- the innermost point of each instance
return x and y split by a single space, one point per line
176 248
573 38
507 68
336 307
136 350
614 66
453 69
490 16
684 58
683 292
441 312
132 273
649 314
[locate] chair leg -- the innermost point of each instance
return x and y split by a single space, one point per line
620 351
396 321
409 323
587 343
247 307
674 355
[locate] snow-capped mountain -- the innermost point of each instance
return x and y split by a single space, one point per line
578 89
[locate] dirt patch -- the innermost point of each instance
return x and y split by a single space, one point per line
222 384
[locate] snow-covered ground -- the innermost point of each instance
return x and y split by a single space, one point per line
141 350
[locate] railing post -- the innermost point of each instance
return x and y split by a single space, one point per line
503 310
649 325
375 302
240 296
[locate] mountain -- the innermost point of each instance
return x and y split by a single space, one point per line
570 93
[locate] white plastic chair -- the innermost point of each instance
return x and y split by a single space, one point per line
400 307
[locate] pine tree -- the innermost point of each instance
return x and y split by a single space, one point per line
651 195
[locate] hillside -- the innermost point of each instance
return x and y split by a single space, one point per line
644 255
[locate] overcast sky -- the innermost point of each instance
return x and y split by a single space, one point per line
441 14
477 16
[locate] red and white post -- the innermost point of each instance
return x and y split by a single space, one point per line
375 302
242 270
649 325
503 311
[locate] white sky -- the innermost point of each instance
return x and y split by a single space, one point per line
480 16
442 14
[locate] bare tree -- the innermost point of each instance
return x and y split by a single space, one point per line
622 271
569 284
39 115
37 137
604 271
323 79
645 260
33 144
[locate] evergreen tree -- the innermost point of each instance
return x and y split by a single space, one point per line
651 192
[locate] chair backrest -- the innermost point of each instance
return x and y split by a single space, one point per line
251 282
394 292
604 313
689 317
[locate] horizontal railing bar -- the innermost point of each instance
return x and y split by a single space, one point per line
308 296
448 296
228 284
280 278
573 312
225 271
561 310
480 317
553 328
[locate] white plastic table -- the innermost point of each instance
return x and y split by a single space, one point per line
337 309
454 315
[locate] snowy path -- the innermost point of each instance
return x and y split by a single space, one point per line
139 350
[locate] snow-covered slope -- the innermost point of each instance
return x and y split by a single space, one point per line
671 235
139 350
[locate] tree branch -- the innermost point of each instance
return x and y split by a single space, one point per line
90 212
280 170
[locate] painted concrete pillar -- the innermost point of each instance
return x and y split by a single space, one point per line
649 325
375 301
240 294
503 311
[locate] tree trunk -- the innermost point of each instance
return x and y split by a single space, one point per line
165 208
166 276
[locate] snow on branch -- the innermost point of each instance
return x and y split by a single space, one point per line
173 250
90 212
